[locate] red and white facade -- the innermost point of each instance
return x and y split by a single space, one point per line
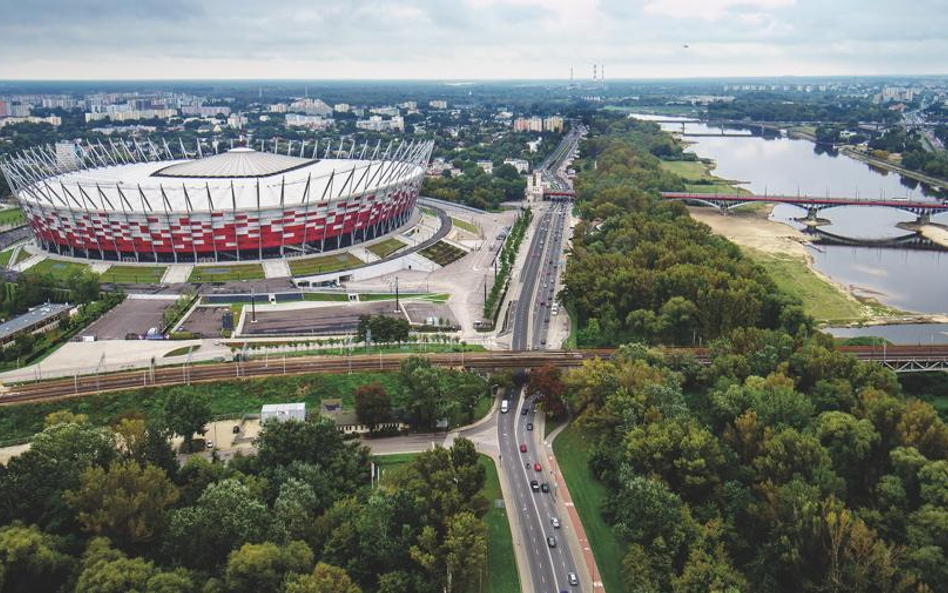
127 203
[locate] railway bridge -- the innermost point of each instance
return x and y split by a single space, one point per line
923 210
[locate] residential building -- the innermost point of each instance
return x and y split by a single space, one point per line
236 121
486 166
528 124
205 110
314 122
37 320
553 124
521 165
53 120
438 104
341 108
311 107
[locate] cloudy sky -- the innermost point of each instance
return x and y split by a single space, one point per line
467 39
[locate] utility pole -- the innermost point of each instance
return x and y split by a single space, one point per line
253 306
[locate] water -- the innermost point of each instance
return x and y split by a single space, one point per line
918 334
908 279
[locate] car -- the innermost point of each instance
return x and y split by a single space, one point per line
551 541
537 467
572 578
525 410
545 487
534 485
523 447
555 522
529 425
208 444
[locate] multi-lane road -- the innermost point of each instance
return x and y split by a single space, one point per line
543 533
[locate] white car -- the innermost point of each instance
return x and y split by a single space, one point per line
555 522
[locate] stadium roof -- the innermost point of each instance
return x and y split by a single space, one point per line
235 163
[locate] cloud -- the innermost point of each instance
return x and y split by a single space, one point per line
710 10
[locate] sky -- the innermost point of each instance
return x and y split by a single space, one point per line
468 39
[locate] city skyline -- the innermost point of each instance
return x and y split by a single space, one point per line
470 39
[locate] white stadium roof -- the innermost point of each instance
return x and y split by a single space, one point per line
237 162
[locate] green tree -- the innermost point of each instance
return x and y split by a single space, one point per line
372 405
127 502
547 386
466 549
325 578
31 560
186 413
263 567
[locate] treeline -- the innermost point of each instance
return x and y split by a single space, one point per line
101 510
782 466
833 109
476 188
643 269
914 156
506 257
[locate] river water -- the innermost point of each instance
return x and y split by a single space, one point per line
906 278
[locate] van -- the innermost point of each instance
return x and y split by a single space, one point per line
504 406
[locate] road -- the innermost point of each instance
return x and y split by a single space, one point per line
533 508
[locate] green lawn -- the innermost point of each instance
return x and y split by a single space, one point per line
388 464
467 226
5 257
325 296
435 297
58 269
443 253
135 274
820 298
386 248
182 351
322 264
11 217
22 256
428 211
502 574
224 397
224 273
588 495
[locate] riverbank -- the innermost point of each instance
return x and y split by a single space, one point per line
699 179
786 253
888 166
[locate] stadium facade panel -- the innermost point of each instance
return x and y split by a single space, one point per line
137 202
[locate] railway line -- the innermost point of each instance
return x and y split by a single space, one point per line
899 358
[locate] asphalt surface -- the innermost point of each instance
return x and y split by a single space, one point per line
549 566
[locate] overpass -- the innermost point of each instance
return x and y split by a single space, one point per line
901 359
559 195
923 210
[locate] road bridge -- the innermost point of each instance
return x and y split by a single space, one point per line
923 210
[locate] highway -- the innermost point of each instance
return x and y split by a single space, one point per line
533 496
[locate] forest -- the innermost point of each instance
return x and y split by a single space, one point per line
782 466
97 509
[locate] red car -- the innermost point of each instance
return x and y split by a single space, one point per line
537 468
523 447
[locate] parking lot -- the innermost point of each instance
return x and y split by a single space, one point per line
132 316
421 312
206 321
336 319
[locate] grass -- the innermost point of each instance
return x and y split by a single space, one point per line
501 562
386 248
325 296
467 226
225 397
224 273
22 256
5 258
11 217
434 297
58 269
134 274
699 179
428 211
388 464
820 299
588 494
323 264
182 351
443 253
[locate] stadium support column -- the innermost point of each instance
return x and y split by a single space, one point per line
233 205
210 209
128 222
146 208
167 206
259 224
187 203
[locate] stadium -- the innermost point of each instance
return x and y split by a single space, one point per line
146 202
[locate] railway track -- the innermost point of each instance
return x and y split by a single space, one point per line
82 385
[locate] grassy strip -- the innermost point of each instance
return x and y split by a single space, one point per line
134 274
443 253
428 211
182 351
5 258
698 178
325 296
60 270
22 256
502 574
224 273
409 348
323 264
389 464
588 495
225 397
508 255
11 217
820 299
465 225
430 296
386 248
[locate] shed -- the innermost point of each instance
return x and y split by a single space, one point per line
283 412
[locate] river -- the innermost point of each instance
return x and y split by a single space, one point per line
910 279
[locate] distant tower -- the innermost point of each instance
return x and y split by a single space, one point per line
602 72
571 74
594 70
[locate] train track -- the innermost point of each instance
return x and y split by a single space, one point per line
82 385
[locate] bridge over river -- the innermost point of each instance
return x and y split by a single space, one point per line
923 210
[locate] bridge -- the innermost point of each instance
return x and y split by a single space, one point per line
727 202
559 195
901 359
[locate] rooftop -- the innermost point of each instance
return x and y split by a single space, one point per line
31 318
236 162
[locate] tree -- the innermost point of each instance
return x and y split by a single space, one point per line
225 517
423 390
372 405
263 567
466 549
127 502
547 386
186 413
31 560
325 578
920 427
295 509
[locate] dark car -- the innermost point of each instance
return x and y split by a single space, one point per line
551 541
525 411
534 485
529 425
545 487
